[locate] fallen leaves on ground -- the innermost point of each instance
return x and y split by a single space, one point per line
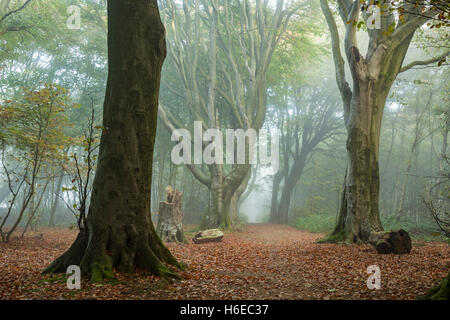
262 262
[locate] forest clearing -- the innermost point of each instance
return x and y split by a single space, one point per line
261 262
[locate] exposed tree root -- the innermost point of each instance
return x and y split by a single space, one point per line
98 259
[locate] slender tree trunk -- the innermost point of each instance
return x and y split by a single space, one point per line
388 158
277 179
411 163
274 217
216 216
396 189
27 197
119 232
250 186
4 192
235 199
162 162
285 202
173 175
32 212
51 222
442 161
288 188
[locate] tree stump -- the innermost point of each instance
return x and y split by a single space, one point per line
391 241
210 235
170 217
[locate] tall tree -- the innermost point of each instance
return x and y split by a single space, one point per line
373 76
239 46
305 129
119 232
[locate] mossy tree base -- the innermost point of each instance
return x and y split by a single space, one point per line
98 260
355 223
440 292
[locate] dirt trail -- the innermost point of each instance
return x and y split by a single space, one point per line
262 262
279 262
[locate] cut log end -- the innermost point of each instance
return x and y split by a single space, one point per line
211 235
383 247
397 242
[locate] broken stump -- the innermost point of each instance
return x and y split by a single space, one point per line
170 217
210 235
385 242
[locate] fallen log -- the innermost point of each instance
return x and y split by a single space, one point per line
397 242
210 235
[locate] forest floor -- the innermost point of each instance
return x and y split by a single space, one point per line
261 262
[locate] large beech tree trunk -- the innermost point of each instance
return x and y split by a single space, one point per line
359 214
119 232
372 77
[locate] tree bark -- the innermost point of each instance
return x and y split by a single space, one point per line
119 232
359 212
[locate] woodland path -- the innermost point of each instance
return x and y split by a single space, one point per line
262 262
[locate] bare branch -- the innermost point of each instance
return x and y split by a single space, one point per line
339 62
424 62
15 11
